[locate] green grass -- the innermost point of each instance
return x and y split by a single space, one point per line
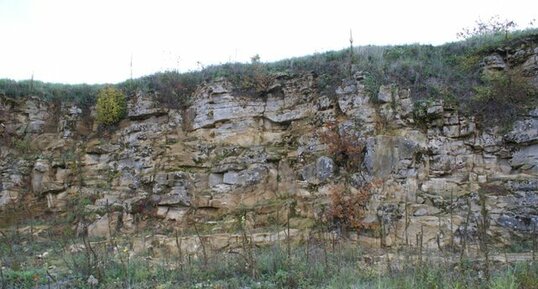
24 278
82 94
318 264
448 71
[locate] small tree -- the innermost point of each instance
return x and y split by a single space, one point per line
504 94
111 106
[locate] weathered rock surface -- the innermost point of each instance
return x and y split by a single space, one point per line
229 153
318 172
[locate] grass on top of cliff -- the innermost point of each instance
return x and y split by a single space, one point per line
449 72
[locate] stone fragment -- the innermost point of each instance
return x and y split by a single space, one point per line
385 94
215 179
231 178
524 132
526 159
318 172
493 62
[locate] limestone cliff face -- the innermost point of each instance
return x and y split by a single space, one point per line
227 152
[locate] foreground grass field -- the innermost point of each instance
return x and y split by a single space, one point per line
37 259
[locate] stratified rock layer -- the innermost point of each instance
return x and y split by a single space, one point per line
267 156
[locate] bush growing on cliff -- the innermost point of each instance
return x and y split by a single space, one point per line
505 94
345 149
346 209
172 89
111 106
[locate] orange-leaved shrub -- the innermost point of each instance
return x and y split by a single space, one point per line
347 207
346 150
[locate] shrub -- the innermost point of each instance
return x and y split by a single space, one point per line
111 106
348 209
171 88
505 94
257 79
346 149
372 83
23 145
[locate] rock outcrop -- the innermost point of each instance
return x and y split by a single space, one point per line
229 153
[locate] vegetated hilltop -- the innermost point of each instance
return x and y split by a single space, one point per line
451 72
384 146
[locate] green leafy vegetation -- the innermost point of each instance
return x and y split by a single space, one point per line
23 145
505 94
82 94
111 106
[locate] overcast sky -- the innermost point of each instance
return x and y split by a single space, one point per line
93 41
